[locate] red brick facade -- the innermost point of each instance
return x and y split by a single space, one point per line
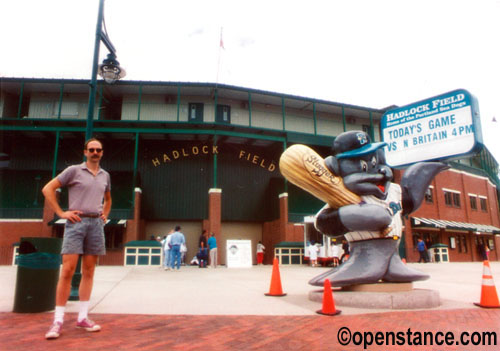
280 230
134 226
214 217
466 241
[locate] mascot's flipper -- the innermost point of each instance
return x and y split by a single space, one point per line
399 272
368 262
415 181
320 279
374 268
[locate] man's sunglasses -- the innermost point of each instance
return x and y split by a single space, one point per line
92 150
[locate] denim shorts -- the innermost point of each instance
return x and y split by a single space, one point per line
85 237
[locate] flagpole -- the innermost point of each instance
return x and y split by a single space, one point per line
221 46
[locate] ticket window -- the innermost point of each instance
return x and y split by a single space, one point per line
313 235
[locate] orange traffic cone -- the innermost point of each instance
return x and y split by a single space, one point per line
328 304
275 288
489 297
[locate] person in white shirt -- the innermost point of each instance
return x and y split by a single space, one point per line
260 253
335 254
313 254
166 251
183 253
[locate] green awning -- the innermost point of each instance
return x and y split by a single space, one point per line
142 243
292 244
420 222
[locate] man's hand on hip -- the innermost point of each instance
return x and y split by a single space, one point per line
72 216
104 217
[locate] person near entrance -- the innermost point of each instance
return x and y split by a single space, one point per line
313 253
422 251
482 251
428 251
166 250
202 254
89 193
212 245
176 241
260 253
345 248
335 253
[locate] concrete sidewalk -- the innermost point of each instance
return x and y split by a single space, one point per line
231 291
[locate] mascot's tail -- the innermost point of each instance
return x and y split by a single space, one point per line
416 180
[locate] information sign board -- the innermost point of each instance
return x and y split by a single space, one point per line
239 253
443 127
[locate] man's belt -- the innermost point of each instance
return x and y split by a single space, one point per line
90 215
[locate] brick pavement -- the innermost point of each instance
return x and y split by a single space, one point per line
213 333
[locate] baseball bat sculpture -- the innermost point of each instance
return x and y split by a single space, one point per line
303 167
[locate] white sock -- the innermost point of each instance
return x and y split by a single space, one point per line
84 310
59 314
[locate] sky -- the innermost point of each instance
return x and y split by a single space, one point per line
361 52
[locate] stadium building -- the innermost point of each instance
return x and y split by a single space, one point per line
205 156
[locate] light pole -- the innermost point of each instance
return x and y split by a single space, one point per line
110 68
111 71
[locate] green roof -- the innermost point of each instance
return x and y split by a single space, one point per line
469 169
290 244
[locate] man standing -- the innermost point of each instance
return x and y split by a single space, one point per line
202 254
89 193
212 244
176 240
202 241
421 250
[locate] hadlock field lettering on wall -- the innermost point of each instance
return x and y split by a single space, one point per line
257 160
185 152
194 151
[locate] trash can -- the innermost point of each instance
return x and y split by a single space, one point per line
37 274
440 253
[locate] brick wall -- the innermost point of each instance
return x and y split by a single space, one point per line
12 232
279 230
270 237
214 217
465 184
113 257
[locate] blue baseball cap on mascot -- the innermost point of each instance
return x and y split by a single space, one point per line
354 144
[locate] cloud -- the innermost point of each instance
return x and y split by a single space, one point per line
244 42
197 31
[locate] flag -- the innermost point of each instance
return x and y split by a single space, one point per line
221 41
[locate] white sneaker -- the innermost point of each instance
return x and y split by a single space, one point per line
88 325
54 331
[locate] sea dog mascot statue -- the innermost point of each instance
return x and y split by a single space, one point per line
372 227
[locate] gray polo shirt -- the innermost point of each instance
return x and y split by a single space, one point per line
85 191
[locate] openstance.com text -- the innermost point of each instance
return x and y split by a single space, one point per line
415 338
